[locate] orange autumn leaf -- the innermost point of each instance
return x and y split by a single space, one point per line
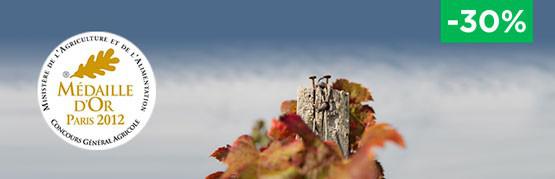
357 92
357 168
362 164
377 135
242 159
289 106
278 156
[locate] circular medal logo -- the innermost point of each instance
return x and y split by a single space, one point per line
96 90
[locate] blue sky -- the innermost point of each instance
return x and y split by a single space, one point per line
466 110
180 22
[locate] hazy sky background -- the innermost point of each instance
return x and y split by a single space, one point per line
465 110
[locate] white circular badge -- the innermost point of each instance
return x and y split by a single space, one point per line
96 90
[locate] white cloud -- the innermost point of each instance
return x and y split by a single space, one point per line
461 119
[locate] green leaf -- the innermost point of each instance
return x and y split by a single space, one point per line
259 136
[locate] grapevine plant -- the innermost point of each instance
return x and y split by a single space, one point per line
289 149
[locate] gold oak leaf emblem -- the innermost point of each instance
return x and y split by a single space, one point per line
104 61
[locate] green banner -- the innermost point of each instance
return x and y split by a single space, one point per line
487 21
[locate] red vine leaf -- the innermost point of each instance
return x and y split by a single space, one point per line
279 131
366 114
215 175
297 125
221 153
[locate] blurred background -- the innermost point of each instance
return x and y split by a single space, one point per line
465 110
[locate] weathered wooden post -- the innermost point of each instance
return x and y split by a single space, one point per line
325 111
